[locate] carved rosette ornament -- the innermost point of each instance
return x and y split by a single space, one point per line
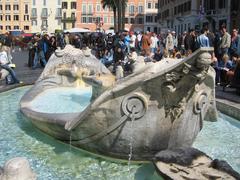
200 103
137 101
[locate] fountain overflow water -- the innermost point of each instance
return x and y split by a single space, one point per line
131 138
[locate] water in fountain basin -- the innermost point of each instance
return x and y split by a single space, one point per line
62 100
52 160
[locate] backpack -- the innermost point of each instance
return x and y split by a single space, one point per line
9 79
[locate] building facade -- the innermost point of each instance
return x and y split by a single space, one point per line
15 15
91 15
46 15
181 15
235 14
151 18
69 8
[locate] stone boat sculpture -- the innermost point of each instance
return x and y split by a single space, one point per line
160 106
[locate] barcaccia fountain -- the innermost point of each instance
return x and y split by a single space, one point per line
160 106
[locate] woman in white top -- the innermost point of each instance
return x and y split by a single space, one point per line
4 64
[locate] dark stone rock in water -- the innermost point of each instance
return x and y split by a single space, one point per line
225 167
192 164
181 156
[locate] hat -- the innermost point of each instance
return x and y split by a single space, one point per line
173 32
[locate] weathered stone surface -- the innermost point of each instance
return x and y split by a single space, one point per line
192 164
17 169
168 101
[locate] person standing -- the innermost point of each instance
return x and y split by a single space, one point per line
146 42
169 42
154 44
203 40
225 41
139 41
235 43
133 40
39 54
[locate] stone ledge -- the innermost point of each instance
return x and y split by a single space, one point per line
229 108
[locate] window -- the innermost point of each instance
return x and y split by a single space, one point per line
34 12
140 9
73 16
155 19
26 9
15 27
149 19
44 2
222 4
1 17
64 15
98 7
84 19
16 18
64 5
140 20
90 19
0 7
126 20
131 9
132 20
15 7
8 27
1 27
105 19
44 12
156 5
90 9
59 12
44 23
189 26
8 18
112 20
149 5
26 17
8 7
34 22
59 2
73 5
34 2
26 27
84 8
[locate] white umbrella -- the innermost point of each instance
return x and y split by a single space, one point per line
77 30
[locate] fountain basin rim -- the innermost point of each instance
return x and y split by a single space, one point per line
56 118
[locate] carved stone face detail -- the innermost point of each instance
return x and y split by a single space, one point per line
204 61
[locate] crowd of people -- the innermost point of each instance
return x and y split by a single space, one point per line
122 49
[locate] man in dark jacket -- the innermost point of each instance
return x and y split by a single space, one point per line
39 54
189 41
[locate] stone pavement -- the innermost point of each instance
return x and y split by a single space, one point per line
29 76
24 73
